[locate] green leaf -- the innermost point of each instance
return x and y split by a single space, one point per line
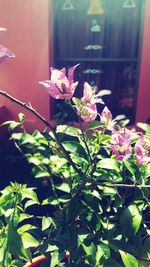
28 240
27 254
26 228
107 191
2 253
103 250
16 216
77 101
14 241
57 162
24 216
89 250
3 248
82 237
41 174
146 247
128 259
46 222
30 194
56 257
38 136
123 123
110 164
130 220
96 194
147 170
23 138
94 124
30 203
130 167
74 147
144 126
69 130
104 92
21 117
64 199
6 202
51 201
34 161
12 124
65 187
82 162
120 117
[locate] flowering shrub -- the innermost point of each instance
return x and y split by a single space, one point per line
97 176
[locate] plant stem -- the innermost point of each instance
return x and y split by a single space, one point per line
131 186
53 187
81 127
84 139
125 185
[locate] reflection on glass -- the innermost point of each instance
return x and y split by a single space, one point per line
67 5
113 34
129 4
103 36
95 8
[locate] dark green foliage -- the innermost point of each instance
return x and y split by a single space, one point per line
97 221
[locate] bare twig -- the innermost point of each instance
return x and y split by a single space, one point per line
131 186
127 185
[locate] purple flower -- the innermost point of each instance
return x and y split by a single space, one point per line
106 116
121 143
59 86
5 53
88 113
90 96
86 106
141 151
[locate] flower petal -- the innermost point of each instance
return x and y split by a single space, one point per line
5 53
56 74
71 73
52 89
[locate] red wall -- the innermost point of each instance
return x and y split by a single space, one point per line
27 35
28 26
143 101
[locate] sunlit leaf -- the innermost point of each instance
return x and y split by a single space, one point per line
65 187
110 164
130 220
128 259
28 240
46 222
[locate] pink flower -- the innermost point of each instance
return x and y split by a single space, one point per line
86 106
5 53
59 86
106 116
141 151
121 144
88 113
90 96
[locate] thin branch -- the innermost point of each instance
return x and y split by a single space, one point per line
48 125
81 127
84 139
28 107
127 185
131 186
